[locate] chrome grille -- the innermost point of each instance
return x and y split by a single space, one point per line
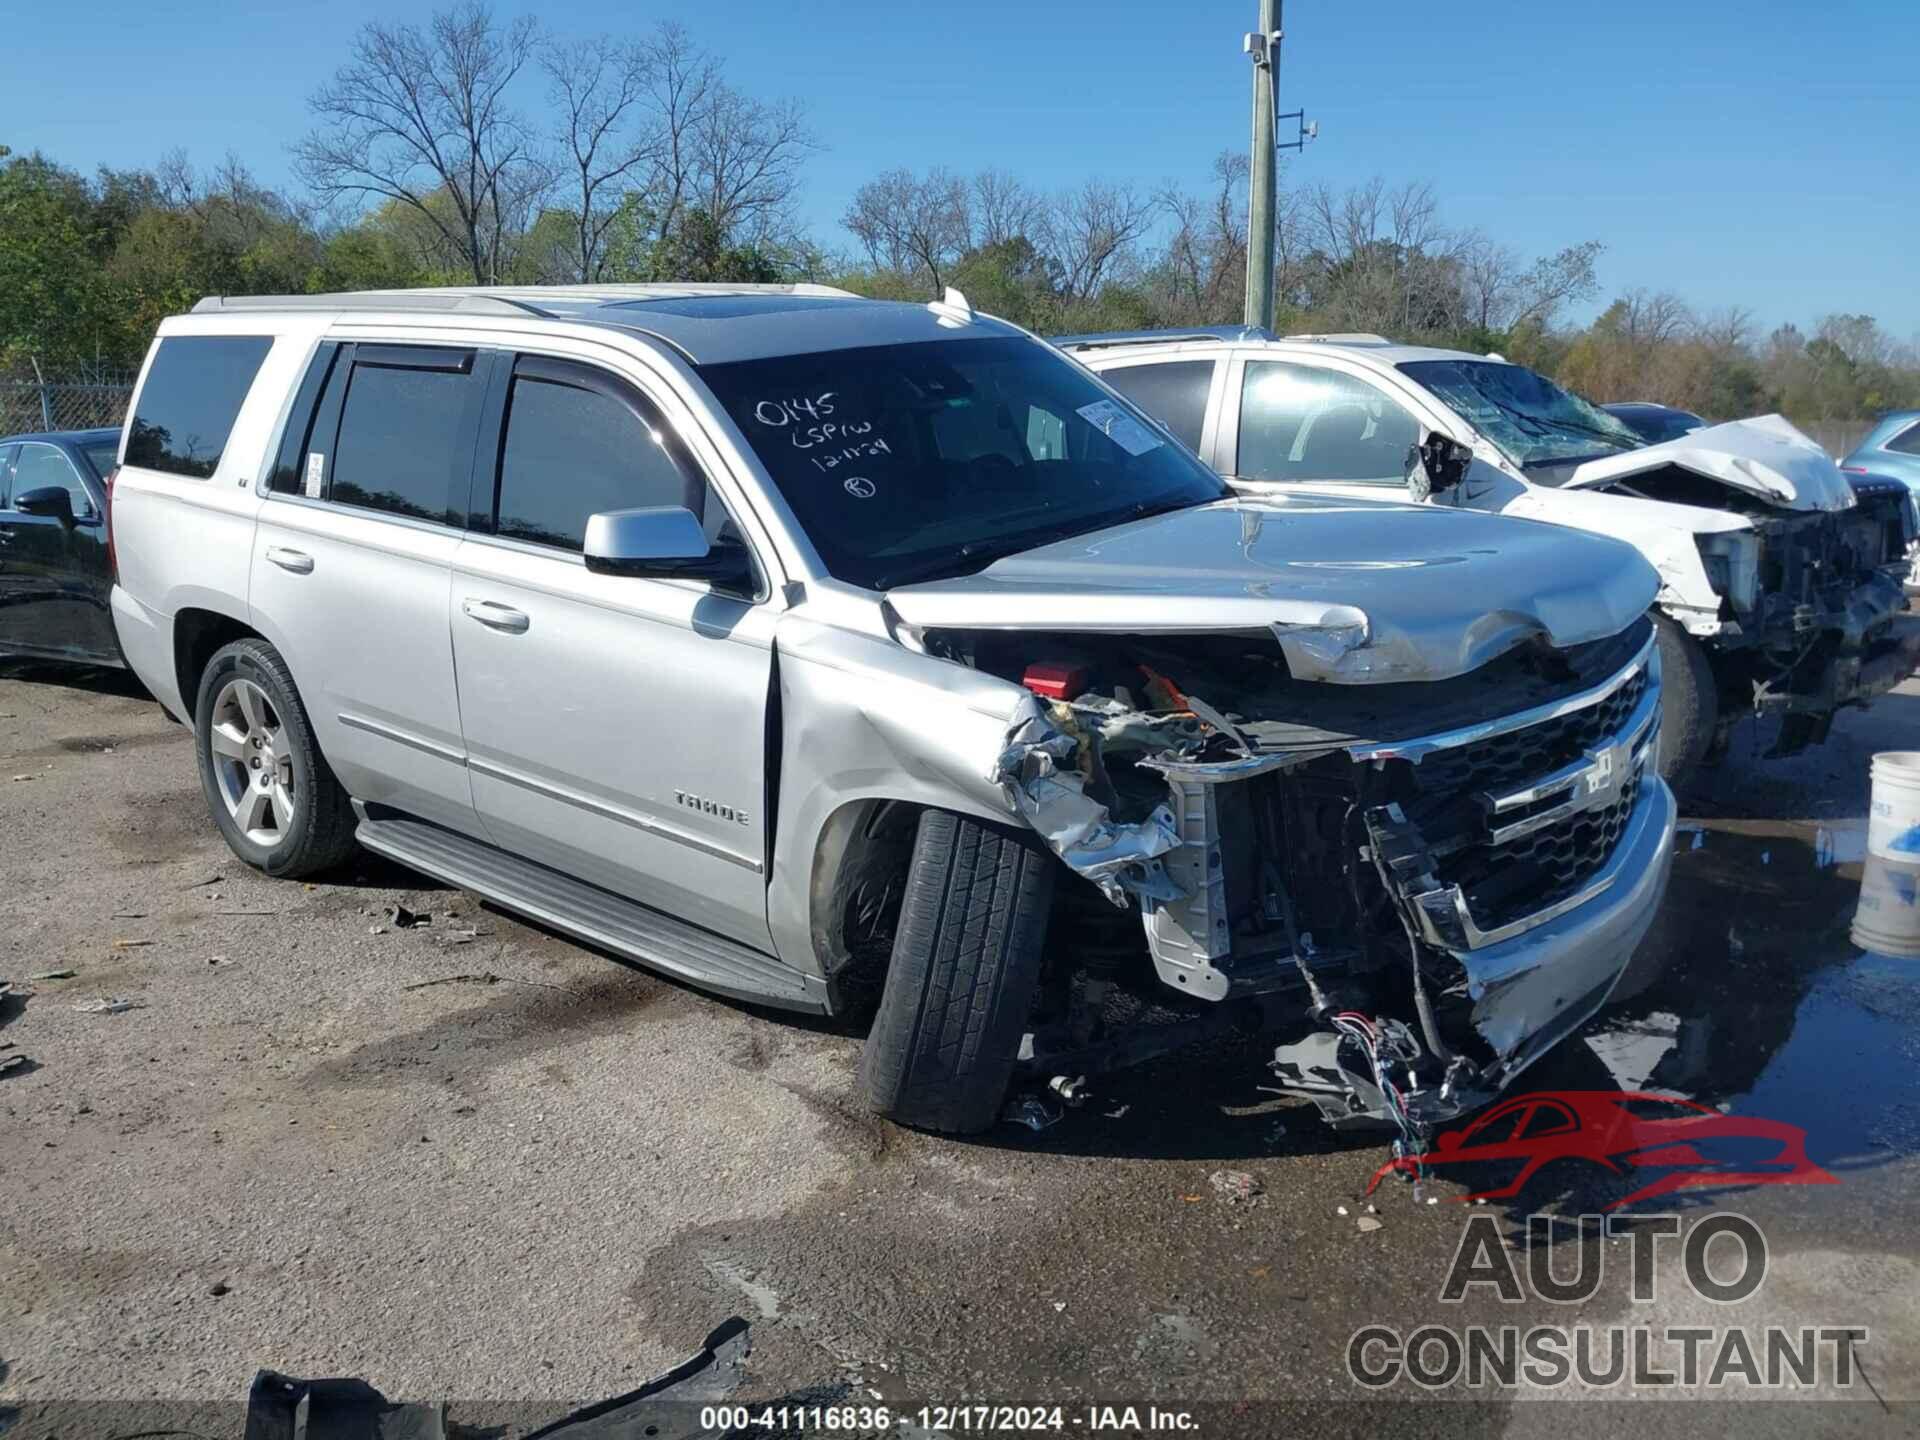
1521 822
1509 761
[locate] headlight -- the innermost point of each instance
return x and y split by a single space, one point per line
1732 561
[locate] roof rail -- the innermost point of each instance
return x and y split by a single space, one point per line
521 299
370 300
1101 338
1351 337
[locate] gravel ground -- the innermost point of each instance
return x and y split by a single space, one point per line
471 1159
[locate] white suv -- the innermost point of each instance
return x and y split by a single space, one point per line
1779 592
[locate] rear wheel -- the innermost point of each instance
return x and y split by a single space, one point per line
270 791
1689 702
966 960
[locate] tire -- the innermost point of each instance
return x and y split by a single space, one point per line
1689 702
966 961
297 821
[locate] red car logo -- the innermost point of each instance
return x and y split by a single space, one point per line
1681 1144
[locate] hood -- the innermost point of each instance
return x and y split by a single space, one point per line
1354 591
1766 457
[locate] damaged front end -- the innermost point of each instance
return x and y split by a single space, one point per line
1824 626
1422 886
1811 615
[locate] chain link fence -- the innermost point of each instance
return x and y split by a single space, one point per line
29 405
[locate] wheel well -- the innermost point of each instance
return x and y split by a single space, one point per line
859 875
197 634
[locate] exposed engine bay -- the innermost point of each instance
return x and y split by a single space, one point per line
1353 866
1809 600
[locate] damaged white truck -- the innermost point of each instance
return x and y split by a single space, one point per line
1780 591
862 658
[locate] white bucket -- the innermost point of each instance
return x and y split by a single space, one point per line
1887 921
1893 815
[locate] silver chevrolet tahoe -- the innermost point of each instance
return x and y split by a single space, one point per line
875 658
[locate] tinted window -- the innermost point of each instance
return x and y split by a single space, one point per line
42 465
572 452
103 455
1298 422
406 439
1907 442
908 462
192 395
6 474
1175 394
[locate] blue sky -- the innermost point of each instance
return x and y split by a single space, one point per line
1759 153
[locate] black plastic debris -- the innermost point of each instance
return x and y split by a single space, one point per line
667 1407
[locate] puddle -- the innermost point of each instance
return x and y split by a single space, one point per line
1765 1007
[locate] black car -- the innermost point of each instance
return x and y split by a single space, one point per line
1654 423
55 569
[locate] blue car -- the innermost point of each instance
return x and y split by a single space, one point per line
56 569
1891 451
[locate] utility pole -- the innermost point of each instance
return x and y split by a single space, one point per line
1263 46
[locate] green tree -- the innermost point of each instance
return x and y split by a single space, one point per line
53 304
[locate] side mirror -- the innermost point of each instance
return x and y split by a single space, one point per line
1436 464
665 542
51 500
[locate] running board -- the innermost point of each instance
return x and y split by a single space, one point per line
589 913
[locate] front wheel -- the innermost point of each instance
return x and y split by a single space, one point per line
966 960
270 790
1689 702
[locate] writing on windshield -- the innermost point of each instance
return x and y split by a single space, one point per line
907 462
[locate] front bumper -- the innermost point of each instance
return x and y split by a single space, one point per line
1531 991
1858 674
1869 647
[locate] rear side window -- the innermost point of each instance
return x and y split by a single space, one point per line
6 475
407 424
192 395
1175 394
1907 442
573 450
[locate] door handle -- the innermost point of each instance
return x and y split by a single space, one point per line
297 561
503 618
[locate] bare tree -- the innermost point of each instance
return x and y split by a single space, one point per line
682 81
747 157
1727 329
709 148
1091 231
1649 318
1503 291
600 90
421 118
917 225
1205 261
999 209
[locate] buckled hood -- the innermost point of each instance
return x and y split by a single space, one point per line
1354 591
1766 457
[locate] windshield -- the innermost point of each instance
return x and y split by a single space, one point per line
101 454
909 462
1531 419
